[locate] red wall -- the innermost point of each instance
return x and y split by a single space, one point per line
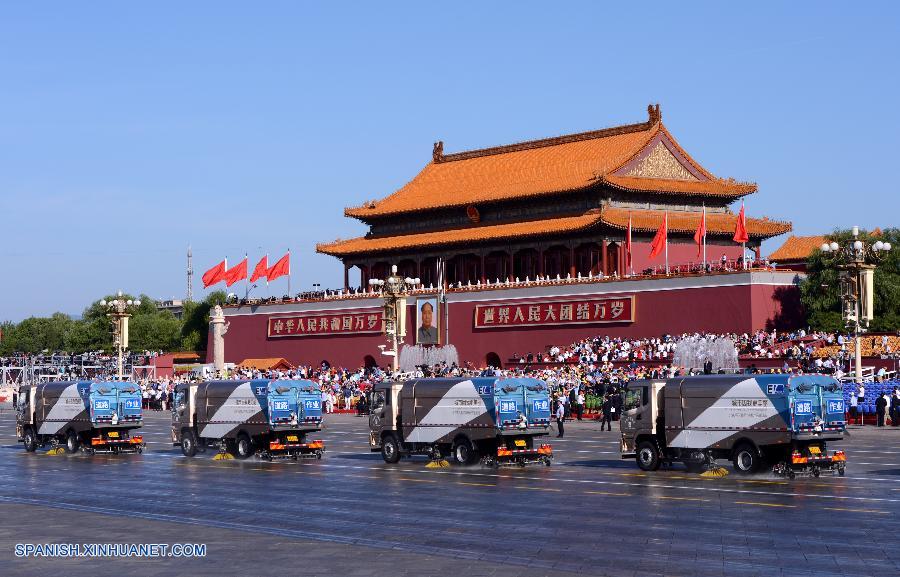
732 306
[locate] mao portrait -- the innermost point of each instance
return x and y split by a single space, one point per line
427 322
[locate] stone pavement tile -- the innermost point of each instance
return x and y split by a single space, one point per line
743 569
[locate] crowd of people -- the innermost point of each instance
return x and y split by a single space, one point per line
583 376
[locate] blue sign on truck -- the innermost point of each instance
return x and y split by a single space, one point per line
803 408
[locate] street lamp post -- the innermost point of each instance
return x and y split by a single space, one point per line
394 290
118 311
856 261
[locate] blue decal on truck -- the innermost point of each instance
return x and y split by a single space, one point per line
280 405
311 404
803 408
132 403
835 406
101 405
507 406
541 405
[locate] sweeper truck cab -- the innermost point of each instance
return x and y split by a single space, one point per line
495 420
783 420
80 415
269 418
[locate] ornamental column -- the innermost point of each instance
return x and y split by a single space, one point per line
218 327
572 271
604 265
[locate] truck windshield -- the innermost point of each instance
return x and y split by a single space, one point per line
179 404
632 399
377 400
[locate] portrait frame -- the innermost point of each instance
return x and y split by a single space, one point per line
435 320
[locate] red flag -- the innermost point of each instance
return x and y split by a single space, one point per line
628 243
700 235
236 273
261 270
280 268
215 275
661 238
740 227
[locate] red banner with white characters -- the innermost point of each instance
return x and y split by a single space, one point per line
559 313
333 323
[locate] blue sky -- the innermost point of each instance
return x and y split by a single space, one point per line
132 130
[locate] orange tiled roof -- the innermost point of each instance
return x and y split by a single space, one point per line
539 167
469 234
712 187
797 248
643 221
266 364
718 224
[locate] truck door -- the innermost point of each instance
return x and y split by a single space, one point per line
379 412
806 407
129 396
103 403
183 406
636 413
24 404
509 402
281 402
835 411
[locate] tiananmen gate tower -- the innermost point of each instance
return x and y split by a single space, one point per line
533 240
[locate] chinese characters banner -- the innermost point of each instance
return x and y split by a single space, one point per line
568 312
339 323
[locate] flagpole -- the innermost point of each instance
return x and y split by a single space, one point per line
704 237
667 243
289 272
743 244
247 279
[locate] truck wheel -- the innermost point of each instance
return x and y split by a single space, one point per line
72 442
745 459
243 448
647 456
390 449
463 452
188 443
30 440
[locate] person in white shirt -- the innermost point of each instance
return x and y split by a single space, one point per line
560 417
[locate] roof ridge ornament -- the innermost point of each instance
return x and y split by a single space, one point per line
654 113
437 153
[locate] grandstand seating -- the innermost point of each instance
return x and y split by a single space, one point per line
873 391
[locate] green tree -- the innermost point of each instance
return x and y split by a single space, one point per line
7 330
154 332
89 335
149 328
36 334
820 291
